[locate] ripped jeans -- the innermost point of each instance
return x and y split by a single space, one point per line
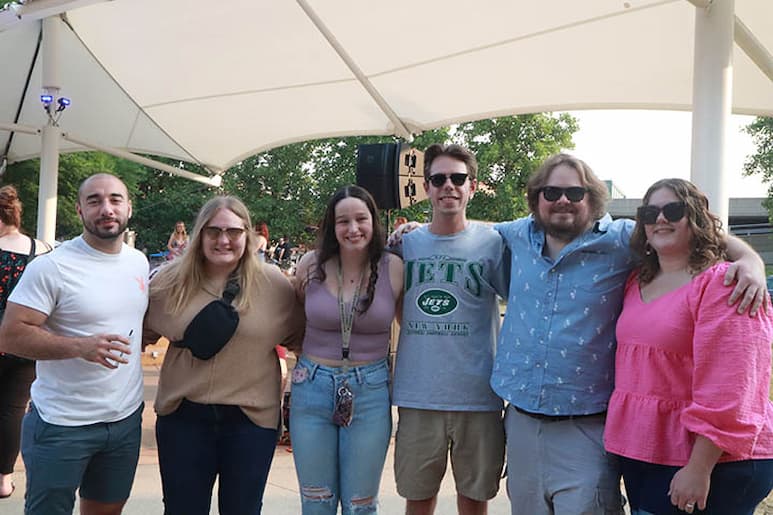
339 464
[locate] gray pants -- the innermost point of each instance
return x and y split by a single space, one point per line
560 467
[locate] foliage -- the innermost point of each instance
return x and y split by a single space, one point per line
761 162
288 187
508 150
73 169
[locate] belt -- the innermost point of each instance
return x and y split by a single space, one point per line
556 418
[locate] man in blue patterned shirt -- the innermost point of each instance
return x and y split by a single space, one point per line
555 356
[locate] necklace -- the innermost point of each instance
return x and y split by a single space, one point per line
347 315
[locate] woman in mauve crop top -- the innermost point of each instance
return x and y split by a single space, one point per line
340 415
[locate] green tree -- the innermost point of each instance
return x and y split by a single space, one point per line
73 169
508 150
160 200
761 162
288 187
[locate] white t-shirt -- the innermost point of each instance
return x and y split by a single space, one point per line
84 292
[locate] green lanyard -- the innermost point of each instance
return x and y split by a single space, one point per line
347 316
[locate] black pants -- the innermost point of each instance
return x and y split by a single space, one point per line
16 376
200 442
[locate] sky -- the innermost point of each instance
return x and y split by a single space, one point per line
636 148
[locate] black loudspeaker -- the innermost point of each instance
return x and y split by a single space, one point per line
392 173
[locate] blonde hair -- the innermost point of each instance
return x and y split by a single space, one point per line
184 277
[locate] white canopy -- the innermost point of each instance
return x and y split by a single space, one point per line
215 82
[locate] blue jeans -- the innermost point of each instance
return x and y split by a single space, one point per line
339 464
737 487
100 459
199 442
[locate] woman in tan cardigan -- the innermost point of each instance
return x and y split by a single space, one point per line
218 413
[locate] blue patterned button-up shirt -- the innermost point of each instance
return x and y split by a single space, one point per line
556 349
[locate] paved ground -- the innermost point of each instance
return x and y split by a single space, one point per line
281 497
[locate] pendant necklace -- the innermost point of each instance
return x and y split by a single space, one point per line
347 315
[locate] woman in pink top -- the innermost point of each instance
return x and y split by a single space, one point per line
690 415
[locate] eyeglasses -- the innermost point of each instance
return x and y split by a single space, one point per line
439 179
673 212
553 193
232 233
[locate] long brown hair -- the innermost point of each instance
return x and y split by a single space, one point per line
707 245
327 243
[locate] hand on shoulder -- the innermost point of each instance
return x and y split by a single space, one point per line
396 238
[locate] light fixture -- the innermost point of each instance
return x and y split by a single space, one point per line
46 100
62 103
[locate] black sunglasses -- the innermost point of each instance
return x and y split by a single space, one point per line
673 212
553 193
439 179
232 233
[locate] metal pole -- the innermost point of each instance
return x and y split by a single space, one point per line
213 180
50 134
712 97
49 176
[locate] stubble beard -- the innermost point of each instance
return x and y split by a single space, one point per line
105 234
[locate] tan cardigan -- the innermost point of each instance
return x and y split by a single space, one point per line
245 372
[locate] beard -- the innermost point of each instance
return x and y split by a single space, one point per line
104 233
563 230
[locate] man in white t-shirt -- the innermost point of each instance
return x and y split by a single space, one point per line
78 311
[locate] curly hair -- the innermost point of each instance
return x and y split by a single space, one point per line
10 206
327 243
184 277
707 243
597 190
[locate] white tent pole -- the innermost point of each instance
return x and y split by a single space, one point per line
756 51
15 127
215 180
746 41
399 127
50 134
712 101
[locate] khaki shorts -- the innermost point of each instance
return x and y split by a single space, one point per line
475 439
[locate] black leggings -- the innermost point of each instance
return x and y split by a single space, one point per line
16 376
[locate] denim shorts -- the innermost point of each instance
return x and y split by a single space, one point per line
100 459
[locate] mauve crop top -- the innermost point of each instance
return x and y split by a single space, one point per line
370 331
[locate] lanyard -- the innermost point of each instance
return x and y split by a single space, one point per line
347 315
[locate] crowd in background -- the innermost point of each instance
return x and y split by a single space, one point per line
623 353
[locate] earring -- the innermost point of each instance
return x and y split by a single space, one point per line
648 249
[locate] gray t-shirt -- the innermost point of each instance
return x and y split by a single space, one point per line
450 320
